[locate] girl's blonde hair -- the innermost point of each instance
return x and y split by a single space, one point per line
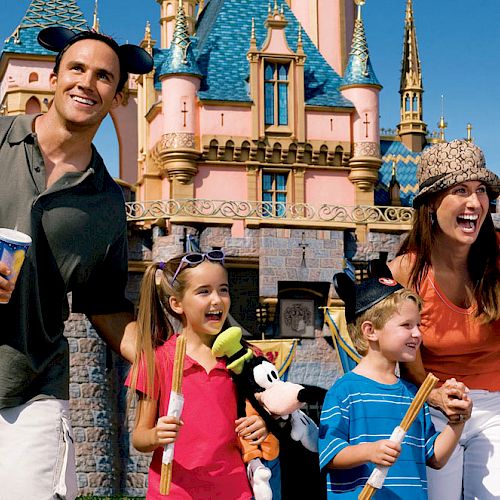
379 315
153 324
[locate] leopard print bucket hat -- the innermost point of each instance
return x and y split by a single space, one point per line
448 163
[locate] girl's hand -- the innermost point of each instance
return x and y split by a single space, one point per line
252 428
166 430
452 399
384 452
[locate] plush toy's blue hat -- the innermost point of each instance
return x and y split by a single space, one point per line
359 298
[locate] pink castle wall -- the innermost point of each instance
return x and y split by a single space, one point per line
329 187
366 101
18 71
237 121
177 90
319 126
221 183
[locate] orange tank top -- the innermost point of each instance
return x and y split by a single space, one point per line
455 343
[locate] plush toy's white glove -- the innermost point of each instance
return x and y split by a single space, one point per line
259 476
304 430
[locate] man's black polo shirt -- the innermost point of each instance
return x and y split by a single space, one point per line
78 228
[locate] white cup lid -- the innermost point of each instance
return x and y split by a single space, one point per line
13 236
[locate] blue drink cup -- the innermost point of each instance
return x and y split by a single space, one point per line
13 248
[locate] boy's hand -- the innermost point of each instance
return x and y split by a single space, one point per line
166 430
384 452
252 428
6 286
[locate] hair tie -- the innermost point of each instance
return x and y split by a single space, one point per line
161 265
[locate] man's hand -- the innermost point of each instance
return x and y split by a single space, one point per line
6 287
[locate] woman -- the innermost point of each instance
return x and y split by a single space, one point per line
450 257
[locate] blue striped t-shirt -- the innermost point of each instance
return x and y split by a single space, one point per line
359 410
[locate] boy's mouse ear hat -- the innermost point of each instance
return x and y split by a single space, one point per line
133 58
359 298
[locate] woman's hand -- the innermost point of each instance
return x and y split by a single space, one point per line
452 399
252 428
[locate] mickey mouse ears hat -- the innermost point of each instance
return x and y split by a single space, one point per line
133 59
359 298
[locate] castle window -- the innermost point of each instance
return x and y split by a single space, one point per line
274 193
276 93
33 77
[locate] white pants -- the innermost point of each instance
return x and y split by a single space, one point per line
473 471
37 454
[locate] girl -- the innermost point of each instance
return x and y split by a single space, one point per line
192 288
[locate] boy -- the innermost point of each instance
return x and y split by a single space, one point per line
364 406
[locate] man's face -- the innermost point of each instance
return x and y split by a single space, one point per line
85 85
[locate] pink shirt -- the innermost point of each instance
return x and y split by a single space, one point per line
207 459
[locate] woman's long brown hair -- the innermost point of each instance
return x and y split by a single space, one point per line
482 261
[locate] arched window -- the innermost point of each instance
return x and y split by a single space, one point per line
229 151
33 77
33 106
276 93
213 150
323 155
245 151
337 159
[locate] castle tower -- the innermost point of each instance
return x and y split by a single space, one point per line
168 10
361 87
25 66
411 128
329 24
180 77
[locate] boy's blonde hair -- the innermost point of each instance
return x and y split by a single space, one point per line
379 314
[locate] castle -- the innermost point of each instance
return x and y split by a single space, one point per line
257 132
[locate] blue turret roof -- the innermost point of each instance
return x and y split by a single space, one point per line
223 33
359 70
41 14
406 172
180 58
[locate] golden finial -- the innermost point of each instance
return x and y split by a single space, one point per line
276 10
469 133
253 38
393 173
269 11
299 36
442 124
95 24
359 3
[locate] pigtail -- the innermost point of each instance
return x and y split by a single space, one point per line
153 325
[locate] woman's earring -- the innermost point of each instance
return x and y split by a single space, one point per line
433 218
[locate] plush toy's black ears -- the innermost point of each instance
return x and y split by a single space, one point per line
378 268
347 292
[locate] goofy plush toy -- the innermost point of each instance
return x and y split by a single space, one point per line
261 391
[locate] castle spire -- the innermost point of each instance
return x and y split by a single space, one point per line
359 70
411 128
180 56
42 14
95 23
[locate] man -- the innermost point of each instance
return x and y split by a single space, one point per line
54 187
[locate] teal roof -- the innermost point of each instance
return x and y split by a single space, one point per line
359 70
406 172
179 57
223 33
41 14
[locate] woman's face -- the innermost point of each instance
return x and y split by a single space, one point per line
460 211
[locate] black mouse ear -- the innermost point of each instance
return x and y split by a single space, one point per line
378 268
346 290
344 286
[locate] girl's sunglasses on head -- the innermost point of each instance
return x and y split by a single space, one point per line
193 259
